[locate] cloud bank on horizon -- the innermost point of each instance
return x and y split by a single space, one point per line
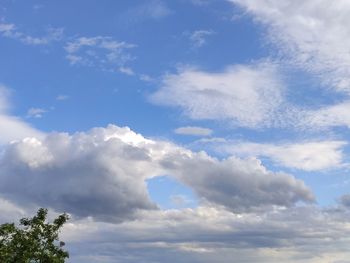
229 135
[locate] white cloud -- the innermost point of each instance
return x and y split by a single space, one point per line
36 113
245 95
126 70
145 77
104 52
193 130
324 117
12 128
200 2
153 9
62 97
11 31
308 156
314 34
199 37
103 173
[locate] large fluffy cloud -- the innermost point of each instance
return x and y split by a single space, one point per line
102 173
239 185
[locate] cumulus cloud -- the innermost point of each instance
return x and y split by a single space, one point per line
314 34
103 173
12 128
308 156
245 95
193 130
85 174
239 185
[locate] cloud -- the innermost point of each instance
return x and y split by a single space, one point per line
313 34
308 156
193 130
35 112
345 200
103 173
154 9
199 37
12 128
328 116
126 71
208 234
62 97
98 174
11 31
104 52
237 184
225 95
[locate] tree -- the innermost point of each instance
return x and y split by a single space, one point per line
33 241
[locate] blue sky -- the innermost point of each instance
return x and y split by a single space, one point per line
206 117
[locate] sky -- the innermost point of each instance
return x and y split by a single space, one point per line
179 131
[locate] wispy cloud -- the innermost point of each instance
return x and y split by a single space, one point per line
226 95
103 52
62 97
11 31
312 34
36 112
193 130
126 71
307 155
153 9
198 38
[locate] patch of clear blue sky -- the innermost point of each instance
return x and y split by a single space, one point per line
170 193
38 74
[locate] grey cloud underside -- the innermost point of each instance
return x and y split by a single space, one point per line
239 185
103 173
206 234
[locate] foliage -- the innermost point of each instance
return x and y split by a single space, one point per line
33 241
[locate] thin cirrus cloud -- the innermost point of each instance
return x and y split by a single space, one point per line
193 130
11 31
316 40
36 112
328 116
310 34
102 174
154 10
198 38
100 51
225 95
307 156
103 52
